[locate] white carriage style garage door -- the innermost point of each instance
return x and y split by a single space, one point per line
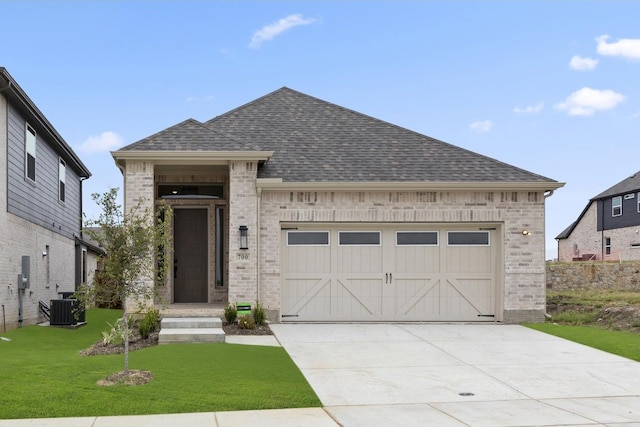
390 273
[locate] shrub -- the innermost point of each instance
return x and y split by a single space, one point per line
115 335
149 323
230 313
258 314
246 322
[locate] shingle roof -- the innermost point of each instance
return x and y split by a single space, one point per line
317 141
627 185
190 135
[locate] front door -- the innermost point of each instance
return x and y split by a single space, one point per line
190 256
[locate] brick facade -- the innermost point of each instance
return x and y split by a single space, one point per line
522 287
523 292
587 243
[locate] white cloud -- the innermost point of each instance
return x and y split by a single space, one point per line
530 109
268 32
586 101
483 126
106 141
581 64
628 48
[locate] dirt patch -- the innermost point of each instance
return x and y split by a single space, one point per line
620 318
131 377
615 318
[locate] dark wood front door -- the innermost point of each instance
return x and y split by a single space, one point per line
190 255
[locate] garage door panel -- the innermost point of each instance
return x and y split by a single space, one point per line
307 297
416 259
309 259
359 259
358 298
466 259
416 299
377 276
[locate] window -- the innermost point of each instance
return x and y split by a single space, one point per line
416 238
607 245
359 238
62 173
468 238
638 202
307 238
616 206
30 153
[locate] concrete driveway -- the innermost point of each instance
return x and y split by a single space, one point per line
461 375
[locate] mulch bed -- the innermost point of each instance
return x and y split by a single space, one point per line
137 342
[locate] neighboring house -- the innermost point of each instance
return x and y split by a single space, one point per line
40 208
322 213
608 228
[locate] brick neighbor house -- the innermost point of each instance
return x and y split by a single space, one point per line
41 209
608 228
322 213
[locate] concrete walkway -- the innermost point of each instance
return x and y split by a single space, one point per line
431 375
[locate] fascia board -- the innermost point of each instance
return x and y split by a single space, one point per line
278 184
190 157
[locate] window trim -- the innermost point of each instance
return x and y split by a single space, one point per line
615 205
638 210
323 245
437 233
470 244
29 130
361 232
62 180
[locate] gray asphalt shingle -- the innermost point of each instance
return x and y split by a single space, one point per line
314 140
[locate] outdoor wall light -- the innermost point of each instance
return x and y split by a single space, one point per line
526 233
244 244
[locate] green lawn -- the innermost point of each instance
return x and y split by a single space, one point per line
625 344
43 375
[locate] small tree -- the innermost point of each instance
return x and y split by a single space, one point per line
135 243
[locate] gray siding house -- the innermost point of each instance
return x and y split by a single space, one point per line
608 228
40 208
322 213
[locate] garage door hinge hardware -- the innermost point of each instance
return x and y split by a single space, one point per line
486 315
289 315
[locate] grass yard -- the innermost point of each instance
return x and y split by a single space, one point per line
625 344
43 375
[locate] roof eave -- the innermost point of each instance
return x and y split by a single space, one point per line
189 157
19 95
279 184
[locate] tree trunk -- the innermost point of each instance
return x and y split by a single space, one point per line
126 335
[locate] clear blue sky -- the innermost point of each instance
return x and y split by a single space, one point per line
551 87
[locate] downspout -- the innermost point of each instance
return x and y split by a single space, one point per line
259 190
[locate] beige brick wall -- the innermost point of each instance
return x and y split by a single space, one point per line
243 204
49 274
523 293
585 239
139 194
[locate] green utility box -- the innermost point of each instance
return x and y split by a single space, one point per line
244 308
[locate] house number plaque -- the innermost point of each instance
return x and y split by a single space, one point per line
243 256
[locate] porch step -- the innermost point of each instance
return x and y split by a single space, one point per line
190 330
190 322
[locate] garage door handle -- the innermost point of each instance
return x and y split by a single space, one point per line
386 280
390 277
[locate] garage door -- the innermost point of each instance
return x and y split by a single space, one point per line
390 273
